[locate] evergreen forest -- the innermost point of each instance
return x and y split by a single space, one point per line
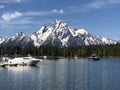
104 51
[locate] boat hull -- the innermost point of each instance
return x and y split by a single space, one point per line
24 61
94 58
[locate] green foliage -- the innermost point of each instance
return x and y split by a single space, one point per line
53 51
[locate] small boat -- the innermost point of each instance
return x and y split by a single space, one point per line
94 57
75 57
44 57
23 61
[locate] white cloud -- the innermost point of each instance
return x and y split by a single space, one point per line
43 13
32 13
17 1
1 6
10 1
9 16
61 11
96 4
114 1
100 4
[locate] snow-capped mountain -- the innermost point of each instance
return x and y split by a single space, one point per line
56 34
1 40
19 39
60 34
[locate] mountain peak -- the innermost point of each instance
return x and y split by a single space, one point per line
19 34
56 21
58 24
58 34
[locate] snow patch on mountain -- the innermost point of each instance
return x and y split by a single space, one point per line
1 40
19 39
66 36
56 34
81 31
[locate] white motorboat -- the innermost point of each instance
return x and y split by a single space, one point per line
3 59
24 61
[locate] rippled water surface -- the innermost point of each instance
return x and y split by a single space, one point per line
80 74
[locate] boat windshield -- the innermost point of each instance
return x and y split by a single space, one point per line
26 58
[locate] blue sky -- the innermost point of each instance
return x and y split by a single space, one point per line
99 17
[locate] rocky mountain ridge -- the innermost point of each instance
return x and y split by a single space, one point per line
56 34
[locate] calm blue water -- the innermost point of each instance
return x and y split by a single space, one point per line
63 75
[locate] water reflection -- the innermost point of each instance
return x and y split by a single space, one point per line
63 75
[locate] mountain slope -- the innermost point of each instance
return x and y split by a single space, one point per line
60 34
1 40
19 39
56 34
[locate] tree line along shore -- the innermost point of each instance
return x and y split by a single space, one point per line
104 51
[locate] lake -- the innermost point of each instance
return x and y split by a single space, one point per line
79 74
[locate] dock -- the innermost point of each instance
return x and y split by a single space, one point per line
3 64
